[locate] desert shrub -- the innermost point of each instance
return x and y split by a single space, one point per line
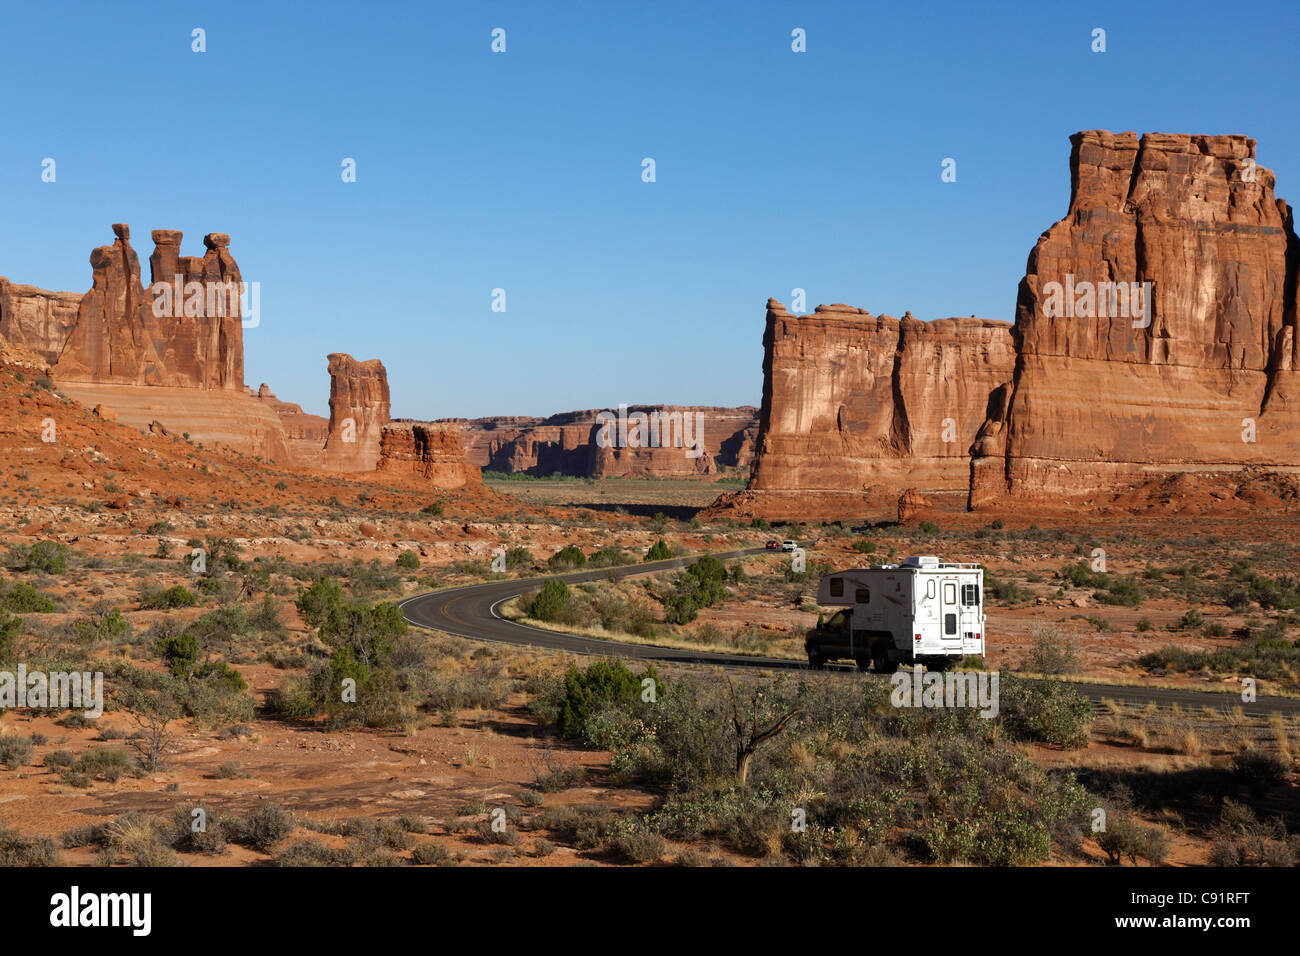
602 683
864 546
312 852
433 508
640 846
519 557
317 602
370 629
15 750
702 583
429 853
25 599
1125 837
1006 590
1079 575
1260 771
263 829
179 652
46 557
110 762
659 551
18 850
1054 651
193 832
552 602
407 561
1126 591
104 623
1046 712
568 557
218 694
173 597
610 556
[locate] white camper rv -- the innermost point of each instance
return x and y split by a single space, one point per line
921 611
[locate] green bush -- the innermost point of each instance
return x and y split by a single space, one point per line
49 557
408 561
659 551
1045 711
25 599
552 601
570 556
173 597
179 652
317 602
603 683
701 584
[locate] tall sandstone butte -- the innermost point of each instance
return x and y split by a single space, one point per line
359 409
125 335
182 364
1096 403
852 400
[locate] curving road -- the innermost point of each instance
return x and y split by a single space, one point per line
472 612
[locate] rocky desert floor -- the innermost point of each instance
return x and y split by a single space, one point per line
468 761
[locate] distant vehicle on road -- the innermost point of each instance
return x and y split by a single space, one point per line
788 545
773 545
922 611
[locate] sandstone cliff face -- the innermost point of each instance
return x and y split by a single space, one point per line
566 443
852 400
1099 399
359 409
36 319
431 451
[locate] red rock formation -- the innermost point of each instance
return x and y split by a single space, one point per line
173 356
359 409
432 451
36 319
1096 402
184 331
566 443
852 401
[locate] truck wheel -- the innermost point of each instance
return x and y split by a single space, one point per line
864 663
880 660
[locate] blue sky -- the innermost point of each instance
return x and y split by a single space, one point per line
522 170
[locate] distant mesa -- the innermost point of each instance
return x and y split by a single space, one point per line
566 444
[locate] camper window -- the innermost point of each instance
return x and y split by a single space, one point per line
863 596
970 594
837 587
929 590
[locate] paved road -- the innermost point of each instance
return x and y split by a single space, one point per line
472 612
